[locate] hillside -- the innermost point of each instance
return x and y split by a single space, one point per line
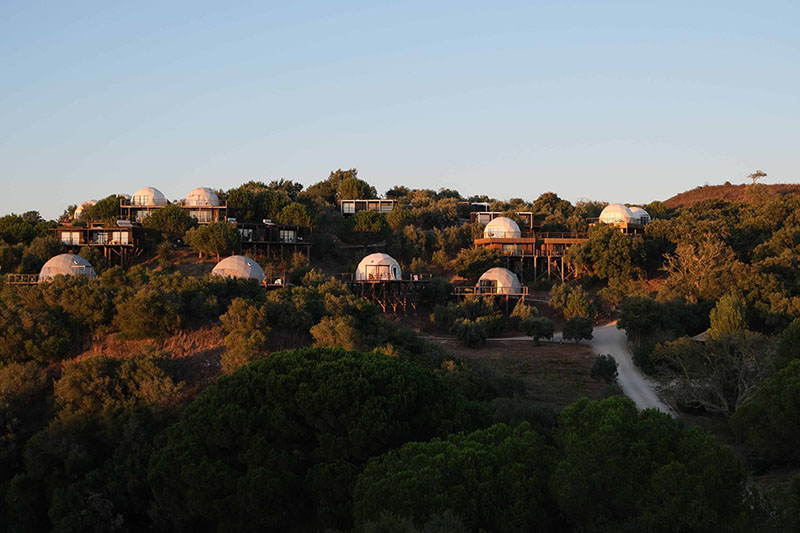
727 191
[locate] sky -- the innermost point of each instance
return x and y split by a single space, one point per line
611 101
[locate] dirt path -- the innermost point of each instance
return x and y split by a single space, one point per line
608 339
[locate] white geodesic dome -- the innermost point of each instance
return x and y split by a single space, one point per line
640 215
202 197
83 207
66 265
502 228
616 214
499 280
147 196
378 266
239 266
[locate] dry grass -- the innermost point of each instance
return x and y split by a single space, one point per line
195 353
554 374
734 193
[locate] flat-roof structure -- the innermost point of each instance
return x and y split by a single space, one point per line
381 205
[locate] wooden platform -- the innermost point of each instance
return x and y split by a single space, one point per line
394 294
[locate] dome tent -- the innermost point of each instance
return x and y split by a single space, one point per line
148 196
378 266
239 266
503 228
499 280
640 215
202 197
616 214
81 208
66 265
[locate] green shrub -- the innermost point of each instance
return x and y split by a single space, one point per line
538 327
604 368
578 328
469 332
494 325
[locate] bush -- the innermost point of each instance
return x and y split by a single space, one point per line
520 312
470 332
445 315
246 336
150 313
478 306
538 327
578 328
494 325
605 368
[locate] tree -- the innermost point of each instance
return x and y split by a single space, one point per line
538 327
217 238
422 479
399 217
106 210
728 317
788 348
578 328
247 334
639 316
605 368
326 190
95 257
287 187
757 175
473 262
290 433
255 201
572 301
520 312
86 470
337 332
368 227
701 272
770 421
718 376
171 222
296 214
610 254
398 191
355 189
149 313
625 470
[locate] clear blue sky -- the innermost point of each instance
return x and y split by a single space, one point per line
616 101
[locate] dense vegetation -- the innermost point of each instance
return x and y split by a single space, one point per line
322 414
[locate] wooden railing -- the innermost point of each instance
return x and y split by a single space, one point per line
463 290
350 276
22 279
